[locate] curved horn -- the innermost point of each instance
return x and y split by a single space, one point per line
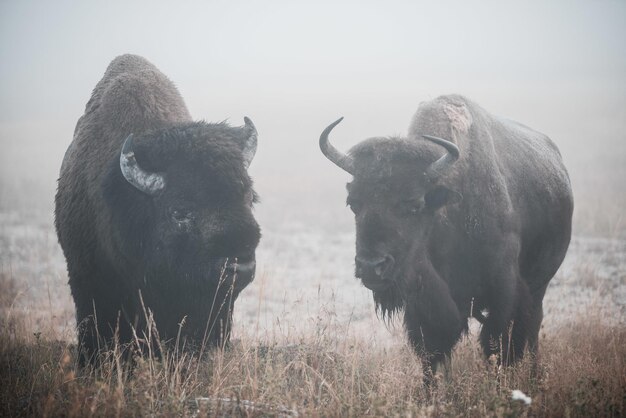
149 183
342 160
444 163
249 147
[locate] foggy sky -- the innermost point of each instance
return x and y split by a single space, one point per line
294 67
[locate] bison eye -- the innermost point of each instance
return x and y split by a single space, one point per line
181 216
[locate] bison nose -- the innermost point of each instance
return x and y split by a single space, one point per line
373 267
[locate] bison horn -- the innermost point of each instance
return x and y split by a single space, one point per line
444 163
149 183
249 147
342 160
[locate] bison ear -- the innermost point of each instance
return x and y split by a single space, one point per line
441 196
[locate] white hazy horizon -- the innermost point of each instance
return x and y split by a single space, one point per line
294 67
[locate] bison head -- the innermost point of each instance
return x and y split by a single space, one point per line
394 195
184 203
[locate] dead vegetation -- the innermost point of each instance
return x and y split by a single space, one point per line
583 373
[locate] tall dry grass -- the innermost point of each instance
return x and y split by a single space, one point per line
323 373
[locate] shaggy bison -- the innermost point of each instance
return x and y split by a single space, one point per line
468 216
154 214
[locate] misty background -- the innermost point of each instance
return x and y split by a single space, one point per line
294 67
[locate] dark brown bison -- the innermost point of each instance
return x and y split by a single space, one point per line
469 216
154 213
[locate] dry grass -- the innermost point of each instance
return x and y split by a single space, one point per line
324 374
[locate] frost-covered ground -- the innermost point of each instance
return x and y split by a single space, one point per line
304 282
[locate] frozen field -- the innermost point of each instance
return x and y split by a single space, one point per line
304 282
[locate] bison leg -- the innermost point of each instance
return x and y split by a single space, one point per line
102 322
507 328
536 317
533 337
433 324
428 345
97 329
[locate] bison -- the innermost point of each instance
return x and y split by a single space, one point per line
154 214
468 216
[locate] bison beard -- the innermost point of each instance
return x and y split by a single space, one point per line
154 215
482 227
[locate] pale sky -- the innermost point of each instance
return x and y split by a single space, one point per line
294 67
